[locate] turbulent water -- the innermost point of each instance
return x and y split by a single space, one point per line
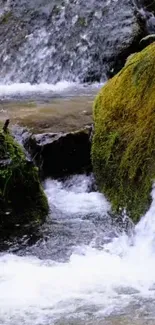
87 271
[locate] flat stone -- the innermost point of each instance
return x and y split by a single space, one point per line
60 154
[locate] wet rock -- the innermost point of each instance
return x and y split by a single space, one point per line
23 204
60 154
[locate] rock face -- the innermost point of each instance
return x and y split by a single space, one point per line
123 151
45 41
22 200
59 154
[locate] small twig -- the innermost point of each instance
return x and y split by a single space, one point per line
151 4
6 124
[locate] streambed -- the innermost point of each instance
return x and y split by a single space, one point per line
48 108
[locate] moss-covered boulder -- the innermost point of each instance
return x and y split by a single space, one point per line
123 150
22 200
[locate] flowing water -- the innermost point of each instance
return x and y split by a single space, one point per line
86 269
54 40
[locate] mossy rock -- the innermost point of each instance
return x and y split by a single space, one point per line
23 203
123 149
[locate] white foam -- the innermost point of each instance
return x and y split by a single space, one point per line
26 88
21 89
32 291
74 199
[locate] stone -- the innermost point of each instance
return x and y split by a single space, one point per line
23 204
123 154
60 154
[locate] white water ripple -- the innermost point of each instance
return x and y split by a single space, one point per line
73 197
40 292
27 88
62 87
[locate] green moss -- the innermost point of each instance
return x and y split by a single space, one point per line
123 150
82 21
56 10
22 200
5 18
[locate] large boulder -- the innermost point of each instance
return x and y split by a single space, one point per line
23 203
123 150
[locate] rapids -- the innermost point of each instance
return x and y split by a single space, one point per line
87 271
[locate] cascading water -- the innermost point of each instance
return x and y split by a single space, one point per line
43 43
66 42
48 41
101 282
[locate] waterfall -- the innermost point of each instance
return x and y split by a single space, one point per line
50 41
